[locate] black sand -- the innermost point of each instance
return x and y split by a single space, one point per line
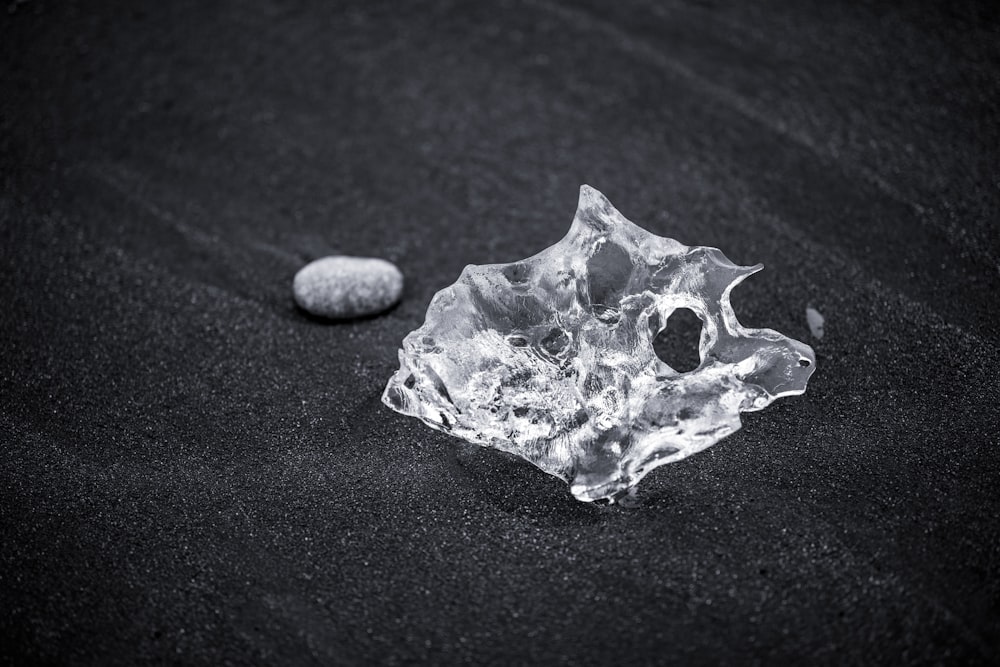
192 471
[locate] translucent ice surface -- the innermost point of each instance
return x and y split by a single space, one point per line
552 357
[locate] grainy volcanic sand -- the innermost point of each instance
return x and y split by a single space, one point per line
193 471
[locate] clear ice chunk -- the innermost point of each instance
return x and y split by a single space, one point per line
552 357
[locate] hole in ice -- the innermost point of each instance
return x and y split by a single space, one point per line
803 362
677 343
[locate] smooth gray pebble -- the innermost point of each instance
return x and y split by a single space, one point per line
342 287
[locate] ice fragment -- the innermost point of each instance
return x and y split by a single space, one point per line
815 322
551 358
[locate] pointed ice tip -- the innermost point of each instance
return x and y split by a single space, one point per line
594 209
591 197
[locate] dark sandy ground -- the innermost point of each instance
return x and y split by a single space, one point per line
191 471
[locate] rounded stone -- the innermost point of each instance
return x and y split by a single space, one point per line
341 287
